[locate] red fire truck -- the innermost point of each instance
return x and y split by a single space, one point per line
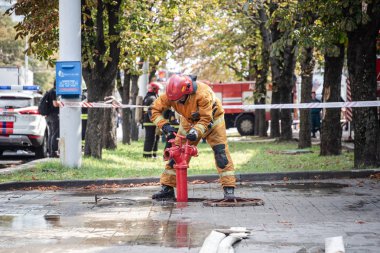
237 93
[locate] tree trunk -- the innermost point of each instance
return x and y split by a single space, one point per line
99 77
126 113
276 80
124 100
286 87
268 37
361 61
98 87
262 78
109 127
262 121
261 90
93 139
134 93
257 119
307 67
331 133
275 113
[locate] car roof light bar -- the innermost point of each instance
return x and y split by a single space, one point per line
20 87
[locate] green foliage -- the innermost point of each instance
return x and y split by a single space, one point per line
147 29
12 54
127 162
45 79
222 41
40 24
11 50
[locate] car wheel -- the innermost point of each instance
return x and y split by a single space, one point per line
245 125
42 151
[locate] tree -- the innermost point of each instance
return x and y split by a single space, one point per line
362 22
146 36
214 36
11 50
305 36
100 59
40 25
307 67
330 40
12 54
102 24
331 133
284 52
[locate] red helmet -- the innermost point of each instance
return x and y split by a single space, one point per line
178 87
154 87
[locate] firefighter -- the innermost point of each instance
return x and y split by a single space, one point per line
202 116
152 135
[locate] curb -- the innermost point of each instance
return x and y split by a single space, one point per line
24 166
250 177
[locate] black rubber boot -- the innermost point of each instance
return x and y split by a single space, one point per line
229 193
166 192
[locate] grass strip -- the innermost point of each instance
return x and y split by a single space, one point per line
127 162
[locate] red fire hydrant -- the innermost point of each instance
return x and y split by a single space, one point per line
181 155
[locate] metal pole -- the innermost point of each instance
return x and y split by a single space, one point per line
144 79
70 123
26 63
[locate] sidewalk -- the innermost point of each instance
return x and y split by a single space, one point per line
297 217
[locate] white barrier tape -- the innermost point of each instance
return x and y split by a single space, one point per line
243 107
306 105
96 105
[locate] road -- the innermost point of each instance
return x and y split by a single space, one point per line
10 159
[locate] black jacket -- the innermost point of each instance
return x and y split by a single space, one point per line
149 99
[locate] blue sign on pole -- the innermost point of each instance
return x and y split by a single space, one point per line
68 78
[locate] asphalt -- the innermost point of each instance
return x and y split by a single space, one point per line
297 216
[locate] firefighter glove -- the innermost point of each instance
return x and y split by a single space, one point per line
168 131
220 155
192 135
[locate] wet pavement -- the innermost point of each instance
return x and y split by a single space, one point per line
297 217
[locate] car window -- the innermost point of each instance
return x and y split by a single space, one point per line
37 100
9 102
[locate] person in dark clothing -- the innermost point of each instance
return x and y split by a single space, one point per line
169 115
52 120
152 135
84 115
315 116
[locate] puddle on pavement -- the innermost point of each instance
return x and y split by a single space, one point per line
315 187
23 222
363 204
97 232
153 232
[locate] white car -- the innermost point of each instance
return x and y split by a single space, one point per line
21 125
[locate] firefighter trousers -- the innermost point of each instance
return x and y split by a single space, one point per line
150 142
216 137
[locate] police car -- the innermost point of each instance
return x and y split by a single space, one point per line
21 125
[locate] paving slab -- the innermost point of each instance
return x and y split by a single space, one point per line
297 216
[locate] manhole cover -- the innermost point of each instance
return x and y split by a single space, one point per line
233 202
